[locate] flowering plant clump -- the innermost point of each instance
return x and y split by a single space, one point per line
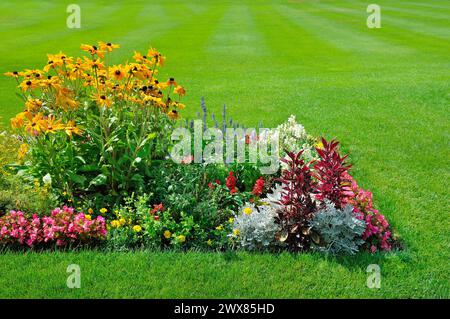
340 230
93 127
254 227
297 202
62 227
98 135
293 138
377 233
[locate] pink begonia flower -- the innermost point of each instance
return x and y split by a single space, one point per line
60 228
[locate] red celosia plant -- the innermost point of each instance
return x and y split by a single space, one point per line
298 206
377 234
231 183
331 173
62 227
258 188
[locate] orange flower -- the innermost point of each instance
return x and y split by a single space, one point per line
28 85
92 49
157 57
117 72
23 150
93 64
33 105
19 120
180 90
64 99
54 60
103 100
139 57
108 46
51 125
173 115
14 74
171 81
35 124
71 129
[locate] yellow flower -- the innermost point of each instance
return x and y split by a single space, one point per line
115 224
231 220
64 99
171 81
137 228
248 210
173 115
209 242
103 100
90 211
88 217
103 210
93 64
117 72
14 74
35 124
108 46
122 221
33 105
23 150
157 57
139 57
28 85
220 227
51 125
92 49
71 129
167 234
319 145
236 232
181 238
180 90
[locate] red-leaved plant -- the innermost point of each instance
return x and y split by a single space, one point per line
331 172
298 206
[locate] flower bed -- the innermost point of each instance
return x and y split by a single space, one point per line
96 138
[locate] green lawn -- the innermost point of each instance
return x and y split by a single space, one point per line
383 92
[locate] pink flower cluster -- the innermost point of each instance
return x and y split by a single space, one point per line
62 227
377 233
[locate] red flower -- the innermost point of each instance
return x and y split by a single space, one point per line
231 183
157 208
259 187
156 217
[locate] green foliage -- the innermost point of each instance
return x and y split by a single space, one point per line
18 191
196 189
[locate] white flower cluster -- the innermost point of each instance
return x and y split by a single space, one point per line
293 138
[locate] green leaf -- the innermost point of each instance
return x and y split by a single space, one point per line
81 159
88 168
77 179
99 180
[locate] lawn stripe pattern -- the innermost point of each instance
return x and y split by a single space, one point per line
383 92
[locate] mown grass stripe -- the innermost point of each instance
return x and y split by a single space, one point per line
396 18
424 44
